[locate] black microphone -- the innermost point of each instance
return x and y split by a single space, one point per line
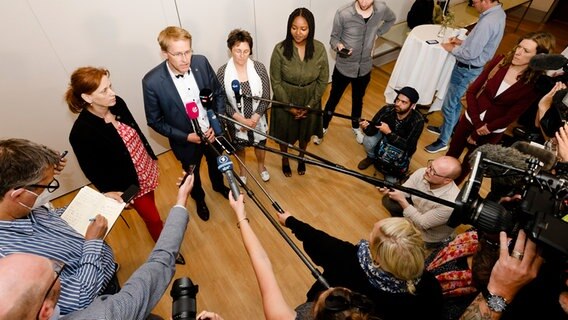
193 113
206 97
543 62
236 86
225 165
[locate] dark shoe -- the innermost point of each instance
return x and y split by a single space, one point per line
436 147
224 192
365 163
180 259
301 168
433 129
202 210
286 170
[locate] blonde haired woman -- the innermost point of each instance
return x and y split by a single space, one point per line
388 268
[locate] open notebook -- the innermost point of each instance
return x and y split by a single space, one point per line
86 205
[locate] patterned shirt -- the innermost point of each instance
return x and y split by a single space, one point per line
146 167
89 264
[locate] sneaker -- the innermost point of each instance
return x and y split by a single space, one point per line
265 176
243 179
365 163
436 147
433 129
358 135
317 140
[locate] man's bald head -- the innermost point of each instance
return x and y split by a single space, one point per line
449 167
24 281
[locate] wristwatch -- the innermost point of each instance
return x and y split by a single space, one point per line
494 302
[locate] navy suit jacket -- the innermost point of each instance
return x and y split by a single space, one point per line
165 111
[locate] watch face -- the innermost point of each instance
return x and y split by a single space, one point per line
496 303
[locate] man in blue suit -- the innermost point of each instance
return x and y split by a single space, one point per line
168 89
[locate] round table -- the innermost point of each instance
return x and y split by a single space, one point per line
425 67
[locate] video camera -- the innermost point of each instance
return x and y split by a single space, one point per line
542 211
184 294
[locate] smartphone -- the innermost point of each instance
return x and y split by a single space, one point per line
187 173
432 41
129 193
344 52
63 154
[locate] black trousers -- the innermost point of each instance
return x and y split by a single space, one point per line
211 152
339 83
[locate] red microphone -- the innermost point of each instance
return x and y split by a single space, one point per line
192 111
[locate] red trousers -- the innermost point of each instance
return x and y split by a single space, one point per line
146 208
459 142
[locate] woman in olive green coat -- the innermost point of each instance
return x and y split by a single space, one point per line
299 73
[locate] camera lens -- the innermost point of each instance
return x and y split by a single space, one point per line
491 217
184 302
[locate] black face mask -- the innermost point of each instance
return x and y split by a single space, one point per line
557 114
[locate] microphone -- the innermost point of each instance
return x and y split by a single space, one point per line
193 113
515 156
236 86
206 97
543 62
546 157
225 165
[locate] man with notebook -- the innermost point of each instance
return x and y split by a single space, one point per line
27 178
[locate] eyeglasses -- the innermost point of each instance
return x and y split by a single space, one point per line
432 170
180 55
58 267
51 187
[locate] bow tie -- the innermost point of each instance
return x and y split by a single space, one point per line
183 74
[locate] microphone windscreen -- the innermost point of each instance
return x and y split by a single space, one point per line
192 110
543 62
500 154
546 157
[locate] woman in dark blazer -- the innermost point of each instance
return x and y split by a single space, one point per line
109 145
501 93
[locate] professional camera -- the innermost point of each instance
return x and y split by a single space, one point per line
184 302
541 212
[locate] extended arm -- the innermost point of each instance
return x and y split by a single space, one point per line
145 287
273 303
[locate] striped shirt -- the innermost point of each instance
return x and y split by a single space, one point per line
89 264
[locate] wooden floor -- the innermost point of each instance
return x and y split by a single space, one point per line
338 204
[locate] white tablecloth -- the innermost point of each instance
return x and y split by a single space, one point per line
425 67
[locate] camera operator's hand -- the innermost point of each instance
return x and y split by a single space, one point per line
562 142
513 271
204 315
364 124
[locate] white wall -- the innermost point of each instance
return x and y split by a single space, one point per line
45 41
